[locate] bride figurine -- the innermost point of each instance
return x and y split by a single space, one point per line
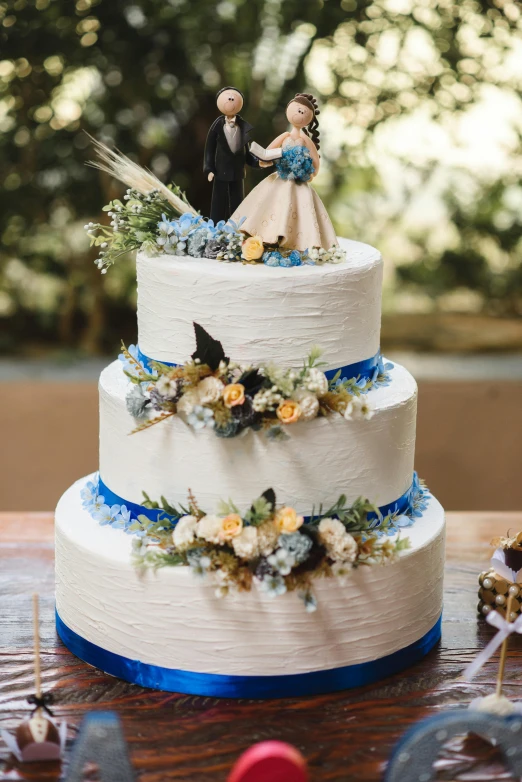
283 209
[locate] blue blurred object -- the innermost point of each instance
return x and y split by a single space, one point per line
414 756
101 741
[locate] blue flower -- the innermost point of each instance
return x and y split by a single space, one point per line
380 376
124 516
295 164
212 229
285 261
231 227
201 417
360 383
89 493
107 515
174 234
272 258
137 401
165 229
403 521
187 224
295 258
98 503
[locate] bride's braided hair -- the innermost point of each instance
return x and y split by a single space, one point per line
308 100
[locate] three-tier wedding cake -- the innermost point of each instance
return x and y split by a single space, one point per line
256 528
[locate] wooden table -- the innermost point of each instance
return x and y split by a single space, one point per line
345 736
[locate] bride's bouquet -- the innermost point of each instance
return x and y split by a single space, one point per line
295 163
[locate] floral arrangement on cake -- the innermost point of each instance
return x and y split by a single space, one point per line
269 546
210 391
157 218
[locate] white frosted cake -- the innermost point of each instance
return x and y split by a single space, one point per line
260 533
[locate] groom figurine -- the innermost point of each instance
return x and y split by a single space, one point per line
226 153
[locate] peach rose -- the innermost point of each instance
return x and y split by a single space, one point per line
234 394
287 520
231 526
252 248
288 411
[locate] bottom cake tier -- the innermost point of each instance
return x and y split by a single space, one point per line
166 629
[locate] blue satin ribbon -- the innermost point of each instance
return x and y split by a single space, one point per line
111 498
222 686
363 369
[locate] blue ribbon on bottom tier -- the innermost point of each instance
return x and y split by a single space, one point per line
223 686
400 506
359 369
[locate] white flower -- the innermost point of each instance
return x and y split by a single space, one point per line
358 408
167 386
266 399
184 532
282 561
308 403
340 545
209 528
315 381
188 401
209 390
273 586
246 544
342 571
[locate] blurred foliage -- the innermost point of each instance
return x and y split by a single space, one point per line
486 256
144 74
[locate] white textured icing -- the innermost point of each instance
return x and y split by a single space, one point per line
262 314
172 619
321 460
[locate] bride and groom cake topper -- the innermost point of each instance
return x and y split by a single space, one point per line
283 209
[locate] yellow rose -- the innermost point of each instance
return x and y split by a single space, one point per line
253 248
287 520
231 526
234 394
288 411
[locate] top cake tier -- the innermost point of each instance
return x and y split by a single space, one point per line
259 313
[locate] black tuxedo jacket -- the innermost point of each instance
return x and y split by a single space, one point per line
220 160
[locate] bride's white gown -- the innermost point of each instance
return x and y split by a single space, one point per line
286 212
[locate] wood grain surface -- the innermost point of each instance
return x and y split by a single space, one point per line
345 736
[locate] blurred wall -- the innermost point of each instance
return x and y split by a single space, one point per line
469 444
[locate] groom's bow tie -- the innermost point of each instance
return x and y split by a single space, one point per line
231 121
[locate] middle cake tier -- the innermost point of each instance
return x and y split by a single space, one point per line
321 459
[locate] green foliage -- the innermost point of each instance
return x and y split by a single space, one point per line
402 544
260 511
225 508
487 226
313 358
354 516
170 509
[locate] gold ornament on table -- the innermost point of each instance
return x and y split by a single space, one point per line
502 583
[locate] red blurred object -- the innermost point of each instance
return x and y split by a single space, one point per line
270 761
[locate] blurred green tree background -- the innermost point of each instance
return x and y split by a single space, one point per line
143 75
